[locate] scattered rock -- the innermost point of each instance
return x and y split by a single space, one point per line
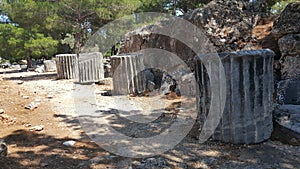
5 65
44 164
3 149
25 97
27 125
37 101
32 106
37 128
151 163
17 67
7 120
23 68
49 96
40 69
69 143
168 84
2 111
20 82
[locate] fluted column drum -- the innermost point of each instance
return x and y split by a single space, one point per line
247 116
91 68
67 66
126 70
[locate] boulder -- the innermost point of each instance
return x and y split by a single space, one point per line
289 46
40 69
288 21
226 24
288 92
50 65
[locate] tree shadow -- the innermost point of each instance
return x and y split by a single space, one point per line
189 153
42 76
37 150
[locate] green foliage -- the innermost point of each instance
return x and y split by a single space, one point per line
280 5
17 44
42 23
68 40
12 42
40 46
84 16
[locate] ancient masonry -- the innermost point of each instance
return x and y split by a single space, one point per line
125 69
87 67
91 67
67 66
247 117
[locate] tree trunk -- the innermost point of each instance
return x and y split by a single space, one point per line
29 62
174 8
85 30
77 43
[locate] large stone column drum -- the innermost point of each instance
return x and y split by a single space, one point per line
91 68
126 69
67 66
247 116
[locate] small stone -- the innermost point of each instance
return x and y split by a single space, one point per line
44 164
37 128
2 111
223 40
38 100
20 82
69 143
31 106
25 97
49 96
27 125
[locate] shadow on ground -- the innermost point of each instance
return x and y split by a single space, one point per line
35 150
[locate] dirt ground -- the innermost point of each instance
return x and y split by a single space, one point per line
54 112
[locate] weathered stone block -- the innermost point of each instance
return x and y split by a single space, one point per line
125 68
247 116
67 66
50 65
91 68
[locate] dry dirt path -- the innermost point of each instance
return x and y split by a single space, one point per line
55 113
